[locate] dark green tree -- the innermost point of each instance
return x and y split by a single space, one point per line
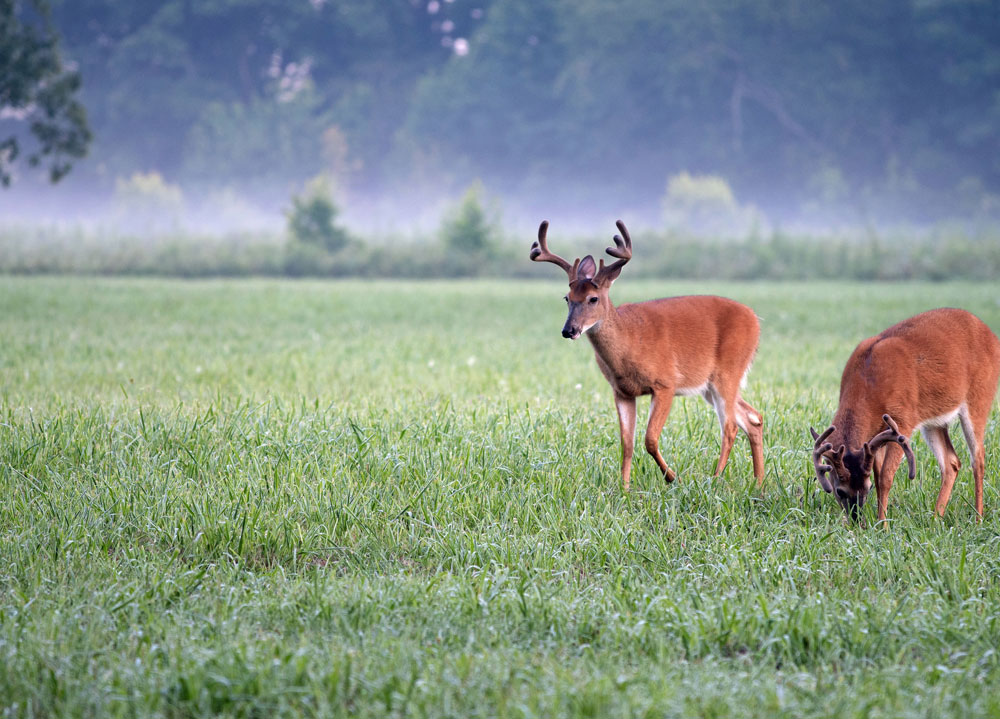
38 93
468 227
191 88
312 218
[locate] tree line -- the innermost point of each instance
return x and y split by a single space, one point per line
891 108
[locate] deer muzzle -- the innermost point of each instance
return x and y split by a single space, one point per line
852 503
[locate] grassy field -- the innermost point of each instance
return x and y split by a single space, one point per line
265 498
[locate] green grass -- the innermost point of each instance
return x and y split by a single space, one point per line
263 498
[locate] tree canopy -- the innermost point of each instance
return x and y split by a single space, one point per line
37 93
894 103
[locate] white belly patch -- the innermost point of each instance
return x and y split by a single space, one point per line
691 391
941 420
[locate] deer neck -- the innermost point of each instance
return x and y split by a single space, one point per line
606 338
853 429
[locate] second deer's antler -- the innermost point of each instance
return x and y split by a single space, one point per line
892 434
820 448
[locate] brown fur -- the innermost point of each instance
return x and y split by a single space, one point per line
661 348
924 368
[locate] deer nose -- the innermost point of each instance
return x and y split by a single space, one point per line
852 503
569 332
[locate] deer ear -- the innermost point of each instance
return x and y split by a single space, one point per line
587 269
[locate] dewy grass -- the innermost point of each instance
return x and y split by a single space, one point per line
281 499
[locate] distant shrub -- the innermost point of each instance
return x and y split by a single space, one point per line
311 220
704 204
145 201
944 253
306 260
469 227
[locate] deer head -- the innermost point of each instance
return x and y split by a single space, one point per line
847 473
589 283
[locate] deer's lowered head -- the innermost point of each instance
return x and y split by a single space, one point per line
589 283
846 473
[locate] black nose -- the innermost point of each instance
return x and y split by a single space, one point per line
852 503
854 511
568 331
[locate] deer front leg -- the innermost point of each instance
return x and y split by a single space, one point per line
659 408
885 472
626 423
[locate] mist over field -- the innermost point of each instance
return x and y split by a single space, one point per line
816 117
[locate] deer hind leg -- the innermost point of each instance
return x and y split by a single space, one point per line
626 424
727 421
948 463
734 416
887 462
974 429
659 408
752 423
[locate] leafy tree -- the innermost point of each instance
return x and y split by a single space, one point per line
888 105
898 97
468 227
260 140
36 90
499 106
311 221
167 78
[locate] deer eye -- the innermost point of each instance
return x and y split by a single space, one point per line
592 300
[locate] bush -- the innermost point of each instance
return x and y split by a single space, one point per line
704 204
146 202
469 227
311 219
307 260
940 254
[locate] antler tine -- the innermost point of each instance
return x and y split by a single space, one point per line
820 448
820 437
892 434
540 252
628 238
623 247
622 250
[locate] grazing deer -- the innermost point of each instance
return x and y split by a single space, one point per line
699 345
918 374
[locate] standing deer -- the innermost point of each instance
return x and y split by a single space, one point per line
699 345
918 374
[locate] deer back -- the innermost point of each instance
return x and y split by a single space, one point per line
919 369
679 342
